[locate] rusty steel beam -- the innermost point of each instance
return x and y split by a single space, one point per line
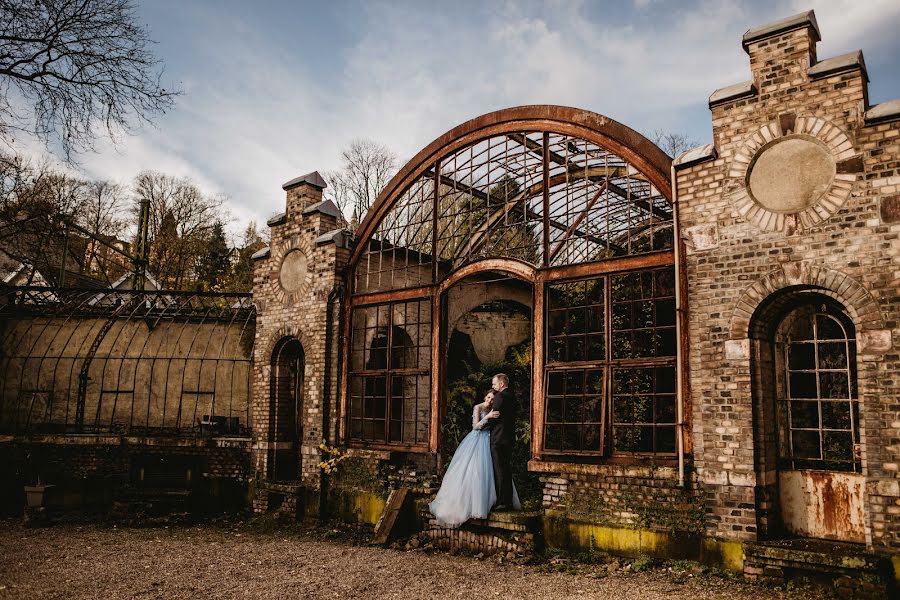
481 195
517 268
417 293
625 263
578 220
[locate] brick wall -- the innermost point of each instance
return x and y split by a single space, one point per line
301 314
632 496
738 256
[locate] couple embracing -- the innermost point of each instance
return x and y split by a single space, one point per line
479 478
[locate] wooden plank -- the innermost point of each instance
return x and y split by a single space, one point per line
388 518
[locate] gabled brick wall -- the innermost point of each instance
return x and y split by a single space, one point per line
738 255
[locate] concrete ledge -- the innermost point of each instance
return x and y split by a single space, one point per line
844 62
325 207
805 19
86 439
561 531
278 219
607 469
338 237
261 254
695 156
745 89
884 112
351 506
313 179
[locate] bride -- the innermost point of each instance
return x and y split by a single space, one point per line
467 491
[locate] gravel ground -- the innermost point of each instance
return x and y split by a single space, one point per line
236 560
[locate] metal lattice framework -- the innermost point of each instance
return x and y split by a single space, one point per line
546 197
540 193
125 361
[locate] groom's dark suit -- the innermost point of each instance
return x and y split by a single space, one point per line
503 433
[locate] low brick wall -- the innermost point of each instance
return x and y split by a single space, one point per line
501 533
93 471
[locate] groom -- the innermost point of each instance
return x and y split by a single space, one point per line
503 431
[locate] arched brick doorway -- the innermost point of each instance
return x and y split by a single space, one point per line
288 364
807 418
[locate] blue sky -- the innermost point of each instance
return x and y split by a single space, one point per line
276 89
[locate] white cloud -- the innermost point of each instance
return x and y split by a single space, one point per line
257 114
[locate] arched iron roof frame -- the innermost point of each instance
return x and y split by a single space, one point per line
607 133
619 139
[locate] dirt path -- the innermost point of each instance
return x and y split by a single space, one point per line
216 561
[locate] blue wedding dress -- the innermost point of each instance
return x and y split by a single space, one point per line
467 491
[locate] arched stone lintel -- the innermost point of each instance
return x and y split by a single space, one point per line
272 339
859 303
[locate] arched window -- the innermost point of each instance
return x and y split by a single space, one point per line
819 404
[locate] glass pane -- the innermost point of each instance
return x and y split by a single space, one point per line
665 312
576 348
806 444
665 379
836 415
833 355
556 322
555 410
827 328
574 382
665 409
838 446
622 410
621 345
803 385
665 439
555 383
595 348
575 320
642 409
626 287
556 350
834 384
665 342
553 437
574 406
592 408
591 437
595 318
805 414
621 316
801 356
802 329
634 439
571 437
594 382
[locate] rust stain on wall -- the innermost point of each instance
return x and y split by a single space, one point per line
823 504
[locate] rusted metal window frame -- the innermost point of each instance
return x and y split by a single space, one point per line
785 412
608 365
389 372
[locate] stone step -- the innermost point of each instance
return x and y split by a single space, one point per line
512 533
847 567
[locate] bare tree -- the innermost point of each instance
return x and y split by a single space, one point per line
671 143
366 168
75 66
103 216
181 220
